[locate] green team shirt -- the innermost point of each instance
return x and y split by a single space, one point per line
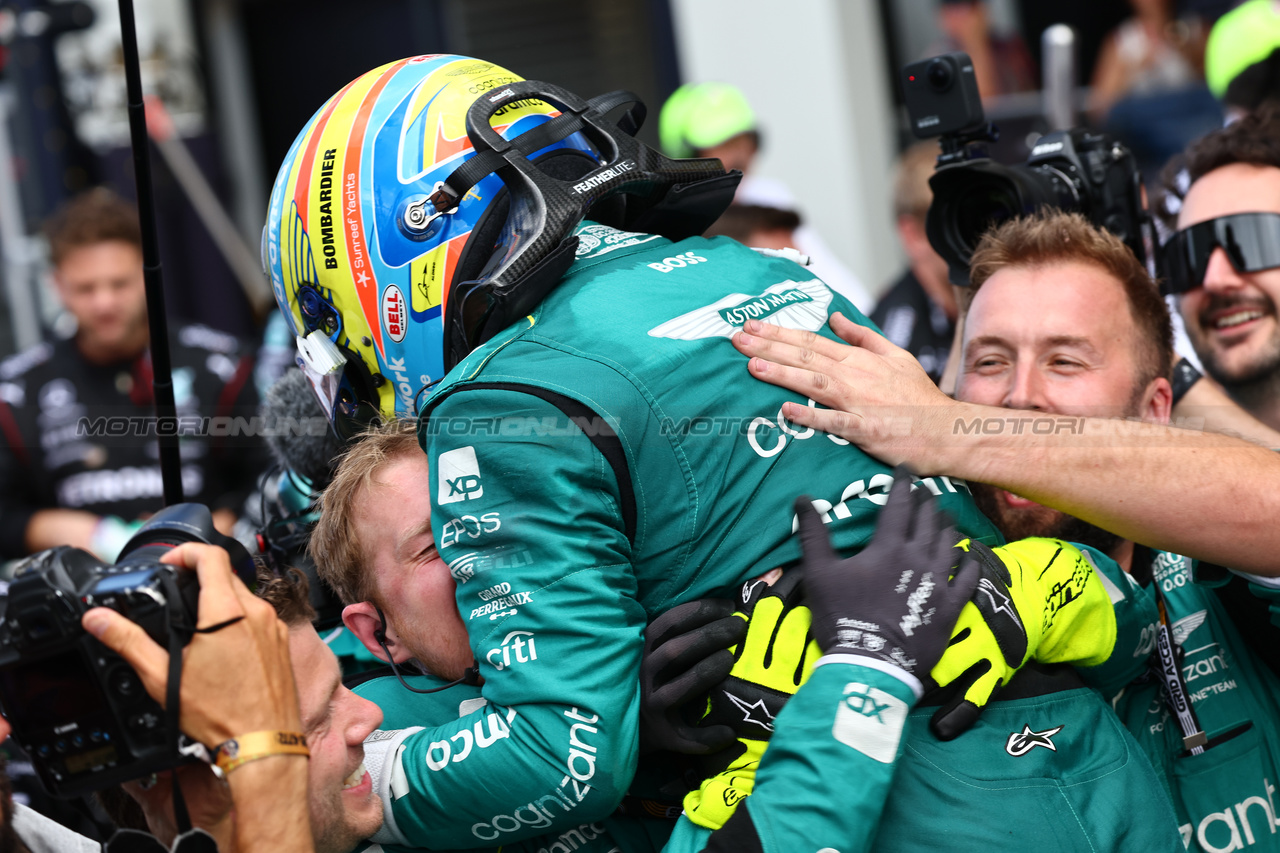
1225 798
593 465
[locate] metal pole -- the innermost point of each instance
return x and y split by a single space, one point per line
18 248
1058 46
162 369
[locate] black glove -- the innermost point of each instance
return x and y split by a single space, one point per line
892 601
686 654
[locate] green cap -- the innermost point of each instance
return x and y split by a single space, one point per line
702 115
1242 37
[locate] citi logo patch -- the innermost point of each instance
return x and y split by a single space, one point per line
395 315
459 474
1020 743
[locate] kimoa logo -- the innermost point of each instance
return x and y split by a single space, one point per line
790 304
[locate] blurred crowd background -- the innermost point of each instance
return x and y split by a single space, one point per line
232 81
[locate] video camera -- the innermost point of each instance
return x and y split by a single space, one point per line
1071 170
78 709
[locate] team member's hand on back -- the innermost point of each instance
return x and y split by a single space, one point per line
894 602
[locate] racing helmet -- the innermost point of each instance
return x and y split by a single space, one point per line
432 201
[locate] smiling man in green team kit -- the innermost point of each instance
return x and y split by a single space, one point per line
599 531
1065 323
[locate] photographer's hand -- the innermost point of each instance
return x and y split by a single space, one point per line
236 680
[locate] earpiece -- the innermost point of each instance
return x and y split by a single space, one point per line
470 676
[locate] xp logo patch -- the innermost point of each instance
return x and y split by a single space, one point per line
1020 743
870 721
459 474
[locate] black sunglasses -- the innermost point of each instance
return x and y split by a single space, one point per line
1251 241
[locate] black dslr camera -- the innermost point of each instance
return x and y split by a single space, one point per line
1071 170
77 709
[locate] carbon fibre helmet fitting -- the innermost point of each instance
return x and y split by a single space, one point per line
432 201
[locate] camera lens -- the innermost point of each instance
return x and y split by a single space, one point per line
939 75
978 209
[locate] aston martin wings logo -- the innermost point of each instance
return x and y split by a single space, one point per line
1184 626
1020 743
790 304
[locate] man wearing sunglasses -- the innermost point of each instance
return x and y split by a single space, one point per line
1224 260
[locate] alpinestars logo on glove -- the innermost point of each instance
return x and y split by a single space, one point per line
1020 743
1000 601
749 711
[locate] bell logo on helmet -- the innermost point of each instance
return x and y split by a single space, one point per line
395 315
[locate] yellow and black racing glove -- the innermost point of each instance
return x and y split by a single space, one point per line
1037 598
770 664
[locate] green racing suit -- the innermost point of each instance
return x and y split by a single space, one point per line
1224 797
593 465
845 724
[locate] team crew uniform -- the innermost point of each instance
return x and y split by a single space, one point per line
1225 797
592 467
78 435
598 451
843 732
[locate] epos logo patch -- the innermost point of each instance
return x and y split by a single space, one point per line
459 476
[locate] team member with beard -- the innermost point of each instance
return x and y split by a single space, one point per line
1224 259
1065 322
588 463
